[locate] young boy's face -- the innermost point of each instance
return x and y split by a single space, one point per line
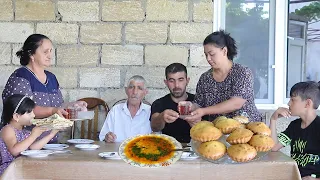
296 105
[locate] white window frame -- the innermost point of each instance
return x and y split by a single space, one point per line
298 42
280 46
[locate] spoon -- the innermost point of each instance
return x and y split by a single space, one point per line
184 150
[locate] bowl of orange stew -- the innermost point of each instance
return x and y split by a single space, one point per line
152 150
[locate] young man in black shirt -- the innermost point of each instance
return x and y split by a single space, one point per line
302 134
164 111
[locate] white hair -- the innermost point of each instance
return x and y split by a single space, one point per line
137 78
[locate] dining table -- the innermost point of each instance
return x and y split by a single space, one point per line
87 164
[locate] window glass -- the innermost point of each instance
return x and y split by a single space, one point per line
303 42
249 23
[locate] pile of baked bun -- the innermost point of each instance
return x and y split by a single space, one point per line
244 138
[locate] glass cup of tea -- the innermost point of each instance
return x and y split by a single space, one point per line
72 113
184 108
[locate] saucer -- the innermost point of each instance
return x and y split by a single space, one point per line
110 155
189 156
87 146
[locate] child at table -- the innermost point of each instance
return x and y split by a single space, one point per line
303 134
17 113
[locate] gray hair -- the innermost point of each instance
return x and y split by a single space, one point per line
137 78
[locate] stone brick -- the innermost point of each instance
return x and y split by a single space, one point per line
5 53
67 77
76 94
122 55
194 74
17 47
6 10
154 94
60 33
197 57
15 32
101 33
189 32
154 76
35 10
167 10
5 72
65 94
146 33
160 55
203 11
99 77
1 103
110 96
78 55
79 11
122 11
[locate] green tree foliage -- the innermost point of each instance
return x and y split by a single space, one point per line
311 11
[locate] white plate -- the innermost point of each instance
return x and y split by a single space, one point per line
36 153
87 146
56 146
80 141
110 155
189 156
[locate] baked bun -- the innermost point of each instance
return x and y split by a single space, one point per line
259 128
205 131
241 152
241 119
239 136
218 119
261 143
212 150
227 125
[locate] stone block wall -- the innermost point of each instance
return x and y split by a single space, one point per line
99 44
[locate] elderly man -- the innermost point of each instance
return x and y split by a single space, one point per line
165 116
130 118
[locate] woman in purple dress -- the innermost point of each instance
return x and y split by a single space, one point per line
17 113
34 81
227 88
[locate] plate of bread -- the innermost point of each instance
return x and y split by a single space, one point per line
231 140
53 122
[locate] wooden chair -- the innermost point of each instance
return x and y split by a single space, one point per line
124 100
93 104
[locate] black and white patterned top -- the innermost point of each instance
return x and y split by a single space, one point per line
238 83
24 81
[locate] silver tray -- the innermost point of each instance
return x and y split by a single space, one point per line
225 159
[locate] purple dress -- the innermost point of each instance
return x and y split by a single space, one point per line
6 157
24 81
238 83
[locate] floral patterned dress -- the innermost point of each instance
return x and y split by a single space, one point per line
6 157
238 83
